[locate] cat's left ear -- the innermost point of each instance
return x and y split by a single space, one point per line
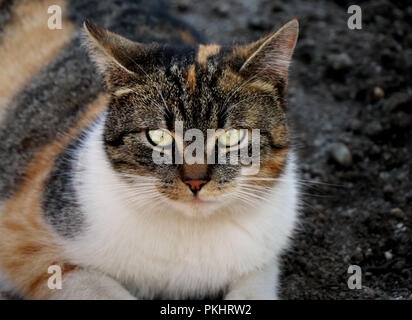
110 50
269 58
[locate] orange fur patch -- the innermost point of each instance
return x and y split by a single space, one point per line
191 78
262 86
272 168
27 45
187 37
230 80
28 246
280 135
206 51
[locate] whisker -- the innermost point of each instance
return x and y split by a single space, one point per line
243 192
290 180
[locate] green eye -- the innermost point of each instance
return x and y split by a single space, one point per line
231 137
160 138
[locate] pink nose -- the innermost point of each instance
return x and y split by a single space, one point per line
195 185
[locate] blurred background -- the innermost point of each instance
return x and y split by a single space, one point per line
350 98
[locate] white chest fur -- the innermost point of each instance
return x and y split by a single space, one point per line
162 252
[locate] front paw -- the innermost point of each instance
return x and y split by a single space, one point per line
90 285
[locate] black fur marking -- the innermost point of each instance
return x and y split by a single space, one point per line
60 206
44 110
6 8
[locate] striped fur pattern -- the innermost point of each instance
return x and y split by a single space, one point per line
78 186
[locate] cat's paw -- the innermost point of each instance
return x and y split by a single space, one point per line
90 285
92 294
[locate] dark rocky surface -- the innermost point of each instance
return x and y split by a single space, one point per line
350 98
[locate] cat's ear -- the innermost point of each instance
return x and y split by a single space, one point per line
109 49
269 58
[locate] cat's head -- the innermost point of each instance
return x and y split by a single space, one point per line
160 92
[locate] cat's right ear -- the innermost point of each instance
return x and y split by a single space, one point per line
269 58
110 50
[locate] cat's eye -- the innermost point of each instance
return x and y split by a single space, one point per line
160 138
232 137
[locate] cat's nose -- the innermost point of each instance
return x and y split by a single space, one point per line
195 185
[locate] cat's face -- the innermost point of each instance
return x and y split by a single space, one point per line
160 93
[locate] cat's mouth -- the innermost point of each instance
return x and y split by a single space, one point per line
203 201
198 200
196 206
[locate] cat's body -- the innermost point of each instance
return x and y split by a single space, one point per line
78 188
163 253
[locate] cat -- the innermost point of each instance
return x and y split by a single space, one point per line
79 188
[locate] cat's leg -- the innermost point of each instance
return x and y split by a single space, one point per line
28 250
260 284
81 284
